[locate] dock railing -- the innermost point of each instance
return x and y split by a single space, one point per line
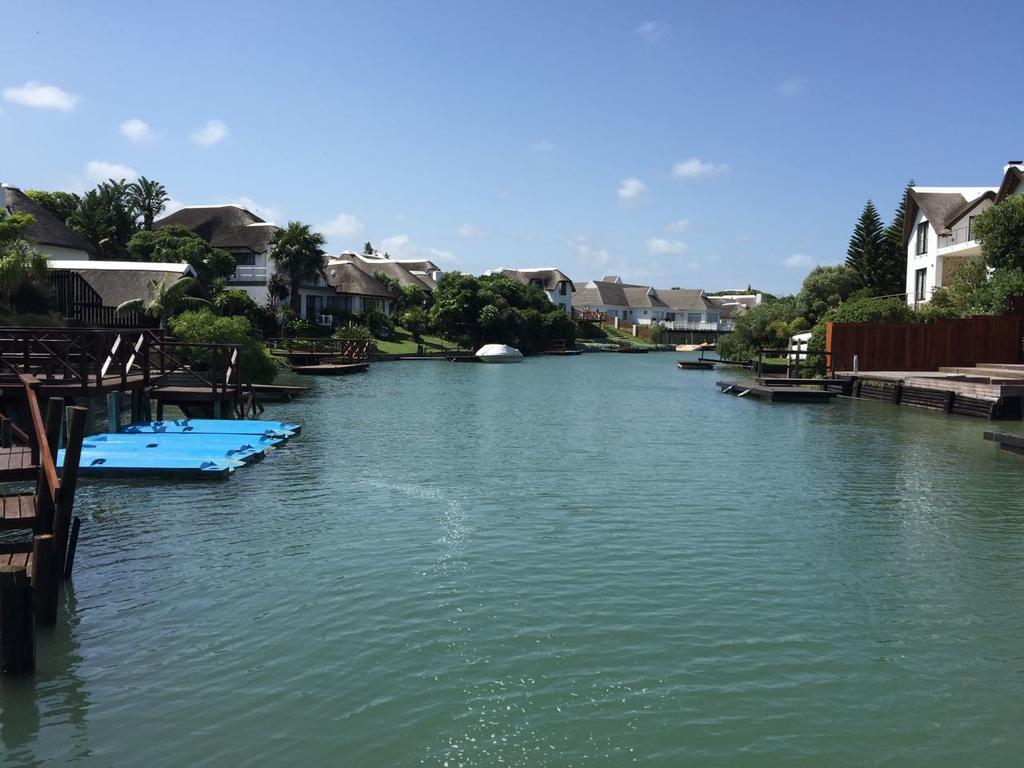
793 357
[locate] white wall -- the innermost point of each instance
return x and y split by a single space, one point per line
924 261
59 253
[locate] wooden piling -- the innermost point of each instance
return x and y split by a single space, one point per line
17 623
69 562
44 578
114 412
68 483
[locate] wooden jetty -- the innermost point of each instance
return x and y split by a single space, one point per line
633 350
33 567
330 369
776 394
1008 441
695 365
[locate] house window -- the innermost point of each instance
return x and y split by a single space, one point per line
245 258
970 227
562 288
922 238
693 317
712 317
920 280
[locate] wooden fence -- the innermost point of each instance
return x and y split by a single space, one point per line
925 346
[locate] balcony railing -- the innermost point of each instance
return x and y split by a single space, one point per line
682 325
248 272
958 236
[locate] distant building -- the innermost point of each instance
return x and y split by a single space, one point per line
393 269
555 283
51 236
676 308
938 231
354 289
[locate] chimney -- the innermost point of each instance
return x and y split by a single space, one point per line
1013 164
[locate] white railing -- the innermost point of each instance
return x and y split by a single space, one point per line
249 272
682 325
958 236
325 320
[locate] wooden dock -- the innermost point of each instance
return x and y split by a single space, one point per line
330 369
1007 441
776 394
695 365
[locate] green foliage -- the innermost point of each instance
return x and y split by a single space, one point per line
1000 230
368 248
175 244
765 325
23 278
149 199
825 288
658 333
387 281
896 250
590 331
415 322
356 332
106 218
298 253
411 297
235 301
380 325
166 298
204 327
861 310
60 204
870 256
303 329
497 309
13 225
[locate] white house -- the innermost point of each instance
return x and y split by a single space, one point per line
938 231
555 283
51 236
684 309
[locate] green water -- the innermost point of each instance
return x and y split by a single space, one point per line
593 561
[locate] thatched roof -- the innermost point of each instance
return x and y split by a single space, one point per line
549 277
345 277
119 281
46 229
391 268
230 227
940 206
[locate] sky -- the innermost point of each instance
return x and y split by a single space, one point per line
709 145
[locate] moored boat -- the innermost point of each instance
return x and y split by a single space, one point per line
499 353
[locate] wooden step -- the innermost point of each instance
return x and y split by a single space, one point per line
16 465
18 560
17 512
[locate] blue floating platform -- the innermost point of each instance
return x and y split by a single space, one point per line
202 448
214 427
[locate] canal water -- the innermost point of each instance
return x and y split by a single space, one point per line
592 561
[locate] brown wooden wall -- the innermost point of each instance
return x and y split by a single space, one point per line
924 346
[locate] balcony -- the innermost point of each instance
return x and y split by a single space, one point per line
960 240
247 273
682 325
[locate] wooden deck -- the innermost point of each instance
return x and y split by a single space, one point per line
695 365
776 394
1008 441
17 511
330 369
16 464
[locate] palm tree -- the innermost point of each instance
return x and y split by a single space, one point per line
149 198
166 298
20 263
299 253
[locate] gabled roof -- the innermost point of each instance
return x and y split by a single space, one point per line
684 299
119 281
393 269
345 277
939 205
45 229
643 296
599 293
550 277
231 227
1011 179
969 206
610 279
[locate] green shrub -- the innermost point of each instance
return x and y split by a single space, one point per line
415 322
303 329
357 332
204 327
380 325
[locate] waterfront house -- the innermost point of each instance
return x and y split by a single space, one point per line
354 289
628 303
424 269
50 236
690 309
377 262
938 231
556 284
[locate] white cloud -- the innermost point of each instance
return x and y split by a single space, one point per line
41 96
660 245
679 225
695 168
631 191
542 146
403 247
468 232
652 31
136 130
342 225
210 134
266 212
100 170
799 260
588 253
792 86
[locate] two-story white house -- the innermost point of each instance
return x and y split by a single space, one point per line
684 309
555 283
938 231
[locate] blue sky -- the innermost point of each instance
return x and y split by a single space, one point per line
704 145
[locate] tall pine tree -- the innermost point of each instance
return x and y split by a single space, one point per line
867 251
897 249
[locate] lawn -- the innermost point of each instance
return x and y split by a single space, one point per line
403 344
619 334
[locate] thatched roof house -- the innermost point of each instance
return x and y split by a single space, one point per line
51 236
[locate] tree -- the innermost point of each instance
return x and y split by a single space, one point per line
896 249
23 277
174 244
166 298
867 254
765 325
60 204
13 225
299 253
1000 230
368 248
825 288
204 327
106 217
149 198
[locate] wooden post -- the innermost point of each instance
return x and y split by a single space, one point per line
216 408
68 482
17 625
44 578
5 432
69 564
54 415
114 412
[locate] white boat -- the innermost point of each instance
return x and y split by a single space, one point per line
499 353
